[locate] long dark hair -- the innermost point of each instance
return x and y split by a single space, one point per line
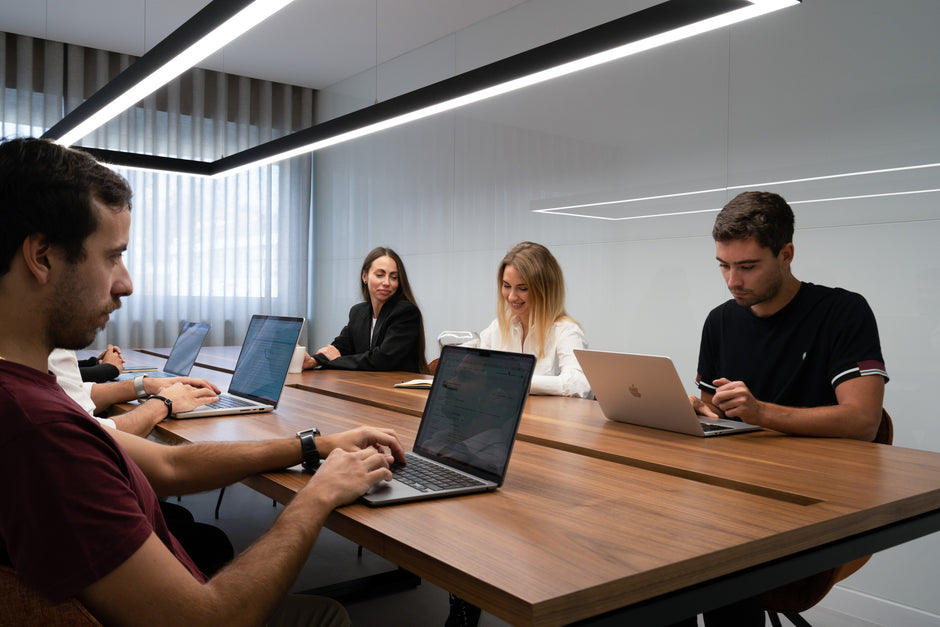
402 293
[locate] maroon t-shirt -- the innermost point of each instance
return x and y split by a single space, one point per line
74 506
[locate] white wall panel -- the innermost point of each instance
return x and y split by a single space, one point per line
829 87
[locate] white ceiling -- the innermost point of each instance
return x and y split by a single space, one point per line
311 43
319 43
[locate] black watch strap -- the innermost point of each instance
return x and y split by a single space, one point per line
166 401
308 447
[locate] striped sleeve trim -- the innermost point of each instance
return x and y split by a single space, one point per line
862 369
704 386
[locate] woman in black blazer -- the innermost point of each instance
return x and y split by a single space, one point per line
386 331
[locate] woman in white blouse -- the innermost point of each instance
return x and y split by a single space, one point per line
531 318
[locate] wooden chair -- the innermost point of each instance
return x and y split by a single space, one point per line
24 607
801 595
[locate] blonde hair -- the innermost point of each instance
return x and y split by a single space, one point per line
546 287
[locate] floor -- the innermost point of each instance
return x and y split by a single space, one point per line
245 514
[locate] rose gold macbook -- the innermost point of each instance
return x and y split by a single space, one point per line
646 390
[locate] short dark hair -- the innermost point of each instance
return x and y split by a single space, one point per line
47 188
765 216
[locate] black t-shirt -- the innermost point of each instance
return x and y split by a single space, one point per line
797 356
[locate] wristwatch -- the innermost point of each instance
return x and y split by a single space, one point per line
139 388
308 446
166 401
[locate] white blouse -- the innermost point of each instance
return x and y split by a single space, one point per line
558 372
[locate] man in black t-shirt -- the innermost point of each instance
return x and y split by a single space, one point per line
783 354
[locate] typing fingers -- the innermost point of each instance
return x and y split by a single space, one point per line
701 407
386 441
377 464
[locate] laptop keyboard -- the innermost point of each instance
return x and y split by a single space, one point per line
711 426
228 402
425 476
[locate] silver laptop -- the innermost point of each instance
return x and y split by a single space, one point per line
182 356
260 371
468 428
646 390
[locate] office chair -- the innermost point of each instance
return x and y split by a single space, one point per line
801 595
452 337
25 607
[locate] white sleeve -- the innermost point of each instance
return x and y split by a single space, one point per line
107 422
64 365
569 380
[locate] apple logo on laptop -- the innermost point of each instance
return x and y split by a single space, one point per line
635 390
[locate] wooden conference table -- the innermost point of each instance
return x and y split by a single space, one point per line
605 523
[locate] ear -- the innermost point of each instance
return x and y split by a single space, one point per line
365 278
786 254
37 256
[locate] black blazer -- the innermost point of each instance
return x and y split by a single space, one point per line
97 373
394 346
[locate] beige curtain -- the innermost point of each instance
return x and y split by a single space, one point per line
201 249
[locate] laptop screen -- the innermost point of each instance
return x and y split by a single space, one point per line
474 408
265 357
186 348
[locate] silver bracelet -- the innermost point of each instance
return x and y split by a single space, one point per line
139 387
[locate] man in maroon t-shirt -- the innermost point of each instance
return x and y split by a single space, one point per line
80 515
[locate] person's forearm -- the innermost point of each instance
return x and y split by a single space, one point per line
100 373
565 384
834 421
142 419
548 385
107 394
275 559
846 420
153 588
205 466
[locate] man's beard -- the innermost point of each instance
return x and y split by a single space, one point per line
72 326
763 296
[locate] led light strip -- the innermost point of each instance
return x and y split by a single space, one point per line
561 210
214 39
756 9
655 26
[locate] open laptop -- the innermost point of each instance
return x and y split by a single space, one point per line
468 428
260 371
646 390
182 356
